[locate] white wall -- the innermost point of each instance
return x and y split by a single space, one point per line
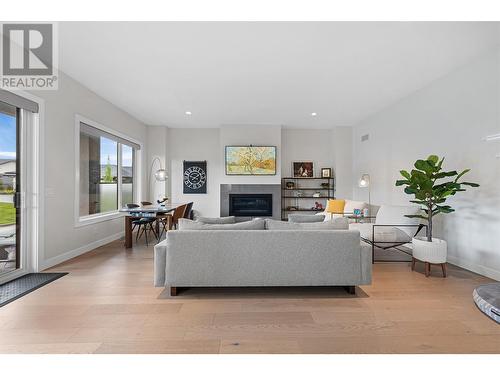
343 161
327 148
208 144
448 118
307 145
259 135
196 145
62 239
156 148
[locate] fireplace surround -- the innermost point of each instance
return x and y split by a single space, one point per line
251 205
268 195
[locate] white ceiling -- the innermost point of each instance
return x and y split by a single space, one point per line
264 73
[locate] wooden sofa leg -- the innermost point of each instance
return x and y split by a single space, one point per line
351 289
173 291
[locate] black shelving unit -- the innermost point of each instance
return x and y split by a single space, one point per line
291 203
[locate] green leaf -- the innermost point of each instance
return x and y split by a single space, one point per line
471 184
440 164
402 182
405 174
445 209
445 174
424 165
416 217
461 174
409 190
421 195
433 159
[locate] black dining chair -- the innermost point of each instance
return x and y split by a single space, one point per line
144 224
188 213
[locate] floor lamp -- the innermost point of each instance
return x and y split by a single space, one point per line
160 174
364 182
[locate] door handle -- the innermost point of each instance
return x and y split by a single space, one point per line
17 200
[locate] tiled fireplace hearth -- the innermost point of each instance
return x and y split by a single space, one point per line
246 201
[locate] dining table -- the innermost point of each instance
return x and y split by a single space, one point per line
155 210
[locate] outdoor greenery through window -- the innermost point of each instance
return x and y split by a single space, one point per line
128 155
106 171
8 186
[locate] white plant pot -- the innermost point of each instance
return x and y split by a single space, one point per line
431 252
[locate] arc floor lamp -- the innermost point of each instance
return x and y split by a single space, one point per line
160 174
364 182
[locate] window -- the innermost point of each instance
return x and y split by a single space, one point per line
127 159
106 171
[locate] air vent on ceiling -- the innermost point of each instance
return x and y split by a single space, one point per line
365 137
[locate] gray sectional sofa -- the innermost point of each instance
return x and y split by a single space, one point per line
262 257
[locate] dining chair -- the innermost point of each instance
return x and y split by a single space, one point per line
189 210
144 225
170 221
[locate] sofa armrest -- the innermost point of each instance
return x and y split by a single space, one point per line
160 263
366 263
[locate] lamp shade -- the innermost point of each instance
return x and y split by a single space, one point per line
161 175
364 181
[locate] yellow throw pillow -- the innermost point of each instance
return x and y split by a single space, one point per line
335 206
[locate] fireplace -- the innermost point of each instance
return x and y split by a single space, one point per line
249 205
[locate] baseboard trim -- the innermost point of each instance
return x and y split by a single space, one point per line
54 261
482 270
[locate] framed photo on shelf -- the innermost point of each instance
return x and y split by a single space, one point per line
326 172
303 169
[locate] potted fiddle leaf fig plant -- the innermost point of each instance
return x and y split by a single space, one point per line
431 187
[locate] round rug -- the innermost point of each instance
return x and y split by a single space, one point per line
487 298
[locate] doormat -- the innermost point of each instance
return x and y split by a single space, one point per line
23 285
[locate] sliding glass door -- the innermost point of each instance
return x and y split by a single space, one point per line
9 189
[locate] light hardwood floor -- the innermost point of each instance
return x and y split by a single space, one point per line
107 304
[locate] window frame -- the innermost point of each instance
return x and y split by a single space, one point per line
111 215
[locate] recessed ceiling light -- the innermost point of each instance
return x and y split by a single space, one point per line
314 114
188 113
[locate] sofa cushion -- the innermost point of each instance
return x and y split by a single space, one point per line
388 235
299 218
392 215
255 224
328 216
216 220
335 206
340 223
348 209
